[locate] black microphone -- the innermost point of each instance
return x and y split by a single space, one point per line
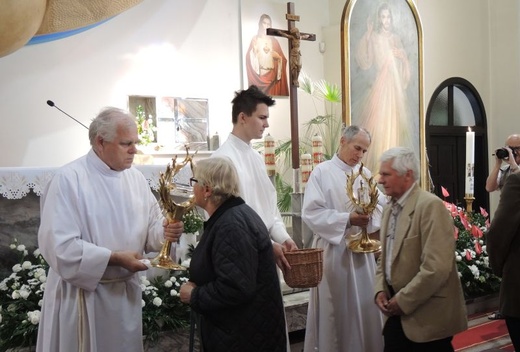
51 103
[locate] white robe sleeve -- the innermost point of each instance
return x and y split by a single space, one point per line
59 237
322 217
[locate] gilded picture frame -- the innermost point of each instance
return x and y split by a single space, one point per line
382 76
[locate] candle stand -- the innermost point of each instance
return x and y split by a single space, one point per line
469 198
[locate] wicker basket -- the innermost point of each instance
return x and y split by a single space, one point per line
306 267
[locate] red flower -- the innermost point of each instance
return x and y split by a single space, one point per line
478 247
445 192
476 231
464 220
468 255
483 212
453 209
456 232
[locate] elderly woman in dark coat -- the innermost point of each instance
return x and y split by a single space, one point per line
233 283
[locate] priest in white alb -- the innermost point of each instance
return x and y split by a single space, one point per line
98 216
342 316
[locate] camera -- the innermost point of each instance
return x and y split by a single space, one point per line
502 153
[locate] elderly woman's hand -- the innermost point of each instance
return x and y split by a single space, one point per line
185 292
279 257
289 245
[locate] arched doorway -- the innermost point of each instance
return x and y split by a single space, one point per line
454 106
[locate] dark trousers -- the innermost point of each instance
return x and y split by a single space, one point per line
513 327
396 340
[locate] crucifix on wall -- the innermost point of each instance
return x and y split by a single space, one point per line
294 37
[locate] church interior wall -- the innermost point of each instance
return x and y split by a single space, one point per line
193 49
475 40
504 53
157 48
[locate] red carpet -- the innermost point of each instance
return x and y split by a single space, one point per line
483 335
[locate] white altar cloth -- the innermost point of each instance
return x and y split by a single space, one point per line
18 182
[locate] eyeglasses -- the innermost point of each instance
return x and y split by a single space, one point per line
192 181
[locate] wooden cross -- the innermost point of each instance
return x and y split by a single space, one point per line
293 34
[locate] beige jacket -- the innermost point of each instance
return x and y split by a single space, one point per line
424 273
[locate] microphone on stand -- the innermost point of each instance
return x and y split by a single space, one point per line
51 103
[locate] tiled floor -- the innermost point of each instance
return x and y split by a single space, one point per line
297 338
478 305
297 347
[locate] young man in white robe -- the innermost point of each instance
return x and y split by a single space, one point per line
98 216
341 314
250 113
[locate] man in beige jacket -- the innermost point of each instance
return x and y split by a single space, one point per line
417 285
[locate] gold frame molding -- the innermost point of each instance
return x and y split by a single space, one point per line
346 75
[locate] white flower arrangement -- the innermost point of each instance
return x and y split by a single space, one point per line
192 221
21 295
162 308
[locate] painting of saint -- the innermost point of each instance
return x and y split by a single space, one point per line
266 64
385 81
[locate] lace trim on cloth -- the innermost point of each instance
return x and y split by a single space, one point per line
18 182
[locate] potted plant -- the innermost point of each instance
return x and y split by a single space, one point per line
21 294
328 125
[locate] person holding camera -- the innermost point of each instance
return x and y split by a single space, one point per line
510 154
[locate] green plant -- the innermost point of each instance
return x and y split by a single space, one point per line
21 295
328 125
192 221
145 127
470 230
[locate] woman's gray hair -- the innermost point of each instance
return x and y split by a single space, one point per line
220 174
351 131
105 124
404 159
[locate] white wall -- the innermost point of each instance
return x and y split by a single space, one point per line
159 47
504 54
456 43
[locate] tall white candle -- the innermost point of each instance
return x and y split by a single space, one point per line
317 150
306 166
470 161
269 155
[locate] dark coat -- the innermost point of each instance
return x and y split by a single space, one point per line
238 291
503 246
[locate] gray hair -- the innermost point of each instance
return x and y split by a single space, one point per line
404 159
220 174
105 124
351 131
